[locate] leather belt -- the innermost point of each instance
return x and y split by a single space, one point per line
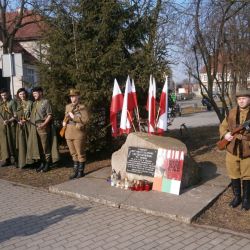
243 137
71 123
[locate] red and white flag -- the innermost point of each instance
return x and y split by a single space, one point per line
116 106
134 94
162 124
151 105
127 108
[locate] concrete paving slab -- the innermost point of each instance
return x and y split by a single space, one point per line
184 208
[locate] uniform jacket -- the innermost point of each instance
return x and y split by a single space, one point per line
7 132
40 110
236 146
76 128
22 131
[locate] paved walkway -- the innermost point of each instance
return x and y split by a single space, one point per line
206 118
35 219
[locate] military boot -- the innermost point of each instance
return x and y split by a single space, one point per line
80 172
246 195
41 167
236 186
46 166
6 163
75 170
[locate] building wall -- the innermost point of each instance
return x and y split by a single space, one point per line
227 78
30 72
33 47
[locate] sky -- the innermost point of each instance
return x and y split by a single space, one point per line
179 73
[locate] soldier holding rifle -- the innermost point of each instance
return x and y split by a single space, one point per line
76 118
42 141
7 129
238 149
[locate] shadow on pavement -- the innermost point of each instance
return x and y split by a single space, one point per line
32 224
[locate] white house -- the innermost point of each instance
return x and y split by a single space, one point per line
26 42
223 70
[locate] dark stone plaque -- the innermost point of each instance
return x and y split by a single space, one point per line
141 161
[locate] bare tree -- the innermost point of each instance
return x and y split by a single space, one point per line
14 15
205 25
237 43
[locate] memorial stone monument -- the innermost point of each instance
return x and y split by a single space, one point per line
136 158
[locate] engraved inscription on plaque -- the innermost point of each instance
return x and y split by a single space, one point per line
141 161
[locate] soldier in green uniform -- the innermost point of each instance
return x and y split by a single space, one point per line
238 150
42 141
7 128
76 118
23 112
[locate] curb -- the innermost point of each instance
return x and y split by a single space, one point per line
222 230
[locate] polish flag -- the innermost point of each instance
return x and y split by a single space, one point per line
116 106
127 108
134 94
162 124
151 105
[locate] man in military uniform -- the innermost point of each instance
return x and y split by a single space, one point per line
238 150
42 143
7 128
76 118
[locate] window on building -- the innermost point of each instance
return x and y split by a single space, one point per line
29 75
205 78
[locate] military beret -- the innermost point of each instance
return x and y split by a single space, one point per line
243 92
73 92
37 89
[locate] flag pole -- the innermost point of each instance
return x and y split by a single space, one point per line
138 117
157 117
130 118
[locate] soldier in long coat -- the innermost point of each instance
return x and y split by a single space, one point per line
42 141
238 150
76 118
7 129
23 112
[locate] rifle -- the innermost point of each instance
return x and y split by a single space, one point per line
223 142
62 131
66 120
15 119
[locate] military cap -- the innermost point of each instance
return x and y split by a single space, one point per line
37 89
73 92
243 92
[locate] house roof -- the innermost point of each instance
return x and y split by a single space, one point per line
31 30
32 25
